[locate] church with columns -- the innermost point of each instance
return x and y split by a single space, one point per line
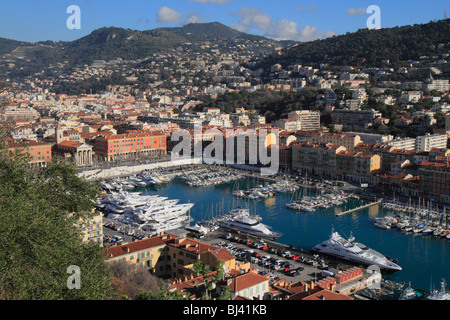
70 148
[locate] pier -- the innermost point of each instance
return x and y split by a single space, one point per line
359 208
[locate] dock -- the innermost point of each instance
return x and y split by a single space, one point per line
359 208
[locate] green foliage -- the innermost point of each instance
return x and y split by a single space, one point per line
368 47
163 294
39 240
272 104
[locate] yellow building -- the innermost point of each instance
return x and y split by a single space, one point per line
92 227
171 256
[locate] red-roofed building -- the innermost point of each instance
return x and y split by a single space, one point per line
38 153
435 180
319 293
248 285
80 152
130 145
171 256
356 166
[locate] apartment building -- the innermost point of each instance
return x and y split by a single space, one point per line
411 96
318 159
431 141
130 145
38 153
356 166
171 256
150 253
372 137
308 120
290 124
13 113
435 180
91 227
360 118
349 141
250 285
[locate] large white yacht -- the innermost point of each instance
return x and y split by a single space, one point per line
354 252
157 211
240 220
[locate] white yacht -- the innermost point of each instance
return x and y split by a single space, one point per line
355 252
245 223
146 209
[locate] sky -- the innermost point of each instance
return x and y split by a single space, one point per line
300 20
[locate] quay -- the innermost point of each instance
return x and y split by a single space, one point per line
359 208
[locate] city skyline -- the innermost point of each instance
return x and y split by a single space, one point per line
285 20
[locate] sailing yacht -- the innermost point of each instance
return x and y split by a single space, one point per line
355 252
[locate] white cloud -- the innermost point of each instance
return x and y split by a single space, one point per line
239 27
356 12
282 30
166 14
194 18
262 21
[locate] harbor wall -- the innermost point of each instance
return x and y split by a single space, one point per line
129 170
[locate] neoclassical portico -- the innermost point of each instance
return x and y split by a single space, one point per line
81 152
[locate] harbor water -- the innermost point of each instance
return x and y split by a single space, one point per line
425 259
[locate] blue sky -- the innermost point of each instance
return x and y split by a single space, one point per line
303 20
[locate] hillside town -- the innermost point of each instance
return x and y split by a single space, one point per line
125 123
383 130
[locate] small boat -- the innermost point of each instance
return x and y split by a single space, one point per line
382 225
410 294
442 294
427 230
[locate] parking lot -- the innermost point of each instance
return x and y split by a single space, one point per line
268 258
276 259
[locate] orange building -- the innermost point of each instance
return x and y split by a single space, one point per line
39 153
130 145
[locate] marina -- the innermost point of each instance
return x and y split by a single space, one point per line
415 220
423 259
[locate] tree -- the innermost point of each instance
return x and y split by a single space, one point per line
40 239
163 294
130 279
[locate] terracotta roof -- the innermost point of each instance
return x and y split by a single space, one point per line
135 246
13 144
246 280
192 245
222 254
319 294
69 144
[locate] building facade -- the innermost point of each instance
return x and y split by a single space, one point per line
130 145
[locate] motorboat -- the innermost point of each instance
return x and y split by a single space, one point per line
245 223
349 250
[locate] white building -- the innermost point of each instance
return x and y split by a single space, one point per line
411 96
430 141
308 120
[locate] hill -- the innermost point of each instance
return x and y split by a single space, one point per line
212 31
111 42
367 47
